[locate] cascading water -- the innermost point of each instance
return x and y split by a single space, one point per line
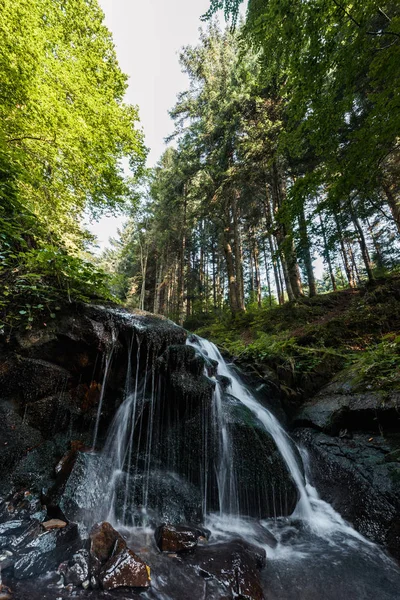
147 456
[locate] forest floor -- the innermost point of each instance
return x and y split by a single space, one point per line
303 344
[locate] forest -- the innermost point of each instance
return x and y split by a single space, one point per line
285 156
280 180
208 407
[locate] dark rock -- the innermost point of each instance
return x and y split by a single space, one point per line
83 490
23 536
353 476
21 505
170 538
235 564
126 570
169 498
32 379
77 571
265 487
35 470
44 552
340 406
17 438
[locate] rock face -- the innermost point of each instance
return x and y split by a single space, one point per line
353 439
341 406
360 477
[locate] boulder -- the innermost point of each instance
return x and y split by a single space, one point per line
125 570
45 551
77 571
105 542
235 564
343 405
170 538
17 439
31 379
354 476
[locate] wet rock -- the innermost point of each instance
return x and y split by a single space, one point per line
235 564
341 405
353 476
105 542
22 504
81 492
54 524
35 470
25 534
77 571
17 438
7 559
170 538
49 415
46 551
32 379
125 569
170 498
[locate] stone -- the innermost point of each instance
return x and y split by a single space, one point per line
105 542
235 564
342 405
54 524
45 551
77 571
5 592
77 495
125 569
170 538
353 476
32 379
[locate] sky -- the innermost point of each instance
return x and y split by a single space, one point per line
148 35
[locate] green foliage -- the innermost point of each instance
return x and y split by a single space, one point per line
66 140
378 367
34 284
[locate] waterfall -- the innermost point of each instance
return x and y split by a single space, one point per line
135 457
321 518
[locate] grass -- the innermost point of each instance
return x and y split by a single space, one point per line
358 329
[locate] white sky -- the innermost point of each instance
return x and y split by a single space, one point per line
148 35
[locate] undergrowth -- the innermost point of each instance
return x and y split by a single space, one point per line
349 328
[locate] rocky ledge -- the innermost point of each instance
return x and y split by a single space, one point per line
353 439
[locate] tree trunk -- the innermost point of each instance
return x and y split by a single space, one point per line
394 204
363 244
327 255
305 246
275 265
284 237
238 252
347 268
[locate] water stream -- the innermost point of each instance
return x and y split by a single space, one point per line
315 553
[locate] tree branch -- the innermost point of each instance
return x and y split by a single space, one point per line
377 33
29 137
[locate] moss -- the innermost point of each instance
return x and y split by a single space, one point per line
350 328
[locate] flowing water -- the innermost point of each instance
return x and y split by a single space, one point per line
315 554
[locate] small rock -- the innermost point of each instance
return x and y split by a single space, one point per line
125 570
5 593
78 568
54 524
176 539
